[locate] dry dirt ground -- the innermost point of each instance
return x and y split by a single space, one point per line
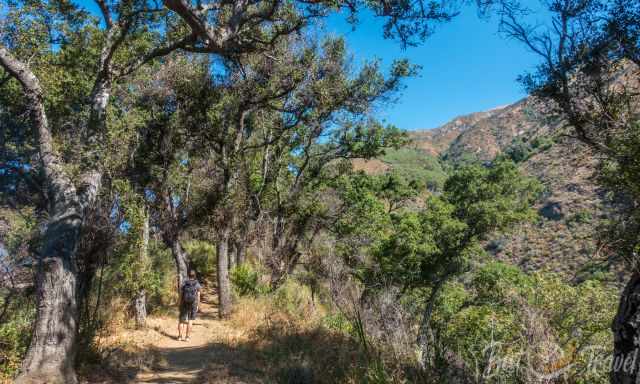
180 361
263 342
155 355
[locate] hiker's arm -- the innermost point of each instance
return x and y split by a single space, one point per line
198 300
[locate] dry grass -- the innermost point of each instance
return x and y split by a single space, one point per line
268 339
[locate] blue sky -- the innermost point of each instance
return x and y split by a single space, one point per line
466 67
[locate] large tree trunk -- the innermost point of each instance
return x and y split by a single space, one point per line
224 285
626 335
51 355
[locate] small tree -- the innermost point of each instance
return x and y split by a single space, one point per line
430 247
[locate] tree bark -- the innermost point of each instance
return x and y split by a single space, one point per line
233 251
626 335
140 305
180 257
224 284
241 253
51 354
52 351
425 326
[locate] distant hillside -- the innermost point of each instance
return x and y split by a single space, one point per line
437 141
572 207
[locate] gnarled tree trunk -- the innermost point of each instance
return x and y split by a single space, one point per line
224 284
51 354
52 351
626 335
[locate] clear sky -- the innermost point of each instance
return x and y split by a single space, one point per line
466 67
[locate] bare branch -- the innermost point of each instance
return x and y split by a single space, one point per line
157 52
106 14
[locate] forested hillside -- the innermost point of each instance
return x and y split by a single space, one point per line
573 206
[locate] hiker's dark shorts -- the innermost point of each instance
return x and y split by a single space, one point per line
188 312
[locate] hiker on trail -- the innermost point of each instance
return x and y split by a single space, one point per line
189 301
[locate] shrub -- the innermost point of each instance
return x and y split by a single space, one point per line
542 143
338 322
518 151
15 333
506 324
293 298
245 281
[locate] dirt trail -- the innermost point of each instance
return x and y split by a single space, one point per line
187 361
258 344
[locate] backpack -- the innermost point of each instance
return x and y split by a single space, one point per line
189 292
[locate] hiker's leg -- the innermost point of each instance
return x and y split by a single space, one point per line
188 328
182 320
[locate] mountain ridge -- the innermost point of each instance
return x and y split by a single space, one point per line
573 206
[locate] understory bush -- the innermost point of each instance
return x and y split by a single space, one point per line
246 281
15 332
509 327
293 298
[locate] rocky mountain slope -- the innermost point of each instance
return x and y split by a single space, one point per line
572 207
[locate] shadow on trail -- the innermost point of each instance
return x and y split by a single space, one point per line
277 354
165 333
273 353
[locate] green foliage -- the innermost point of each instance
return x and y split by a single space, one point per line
293 298
163 293
620 174
133 260
580 217
456 160
522 149
15 331
415 166
518 151
17 233
202 255
338 322
495 281
363 213
508 324
246 281
441 240
491 198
